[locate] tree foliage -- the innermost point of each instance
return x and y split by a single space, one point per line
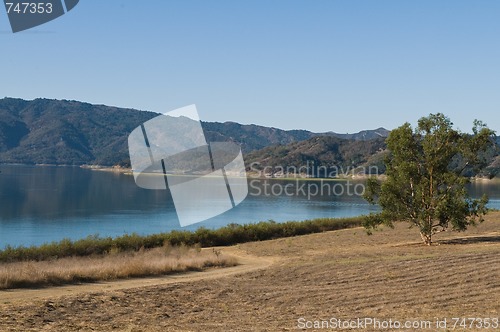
425 183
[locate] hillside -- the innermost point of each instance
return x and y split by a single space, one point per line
253 137
61 132
328 156
323 156
65 132
365 135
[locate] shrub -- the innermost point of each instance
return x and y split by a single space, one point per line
227 235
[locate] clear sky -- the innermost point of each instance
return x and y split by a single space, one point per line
319 65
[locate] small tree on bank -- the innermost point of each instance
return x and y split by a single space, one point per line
425 182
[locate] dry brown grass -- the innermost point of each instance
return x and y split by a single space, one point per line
158 261
344 274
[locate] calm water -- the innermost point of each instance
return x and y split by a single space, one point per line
43 204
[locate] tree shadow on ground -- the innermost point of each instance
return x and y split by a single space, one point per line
472 239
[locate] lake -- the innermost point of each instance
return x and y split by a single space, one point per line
44 204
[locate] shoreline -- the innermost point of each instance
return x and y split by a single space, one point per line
250 176
114 169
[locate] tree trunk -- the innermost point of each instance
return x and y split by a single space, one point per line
427 238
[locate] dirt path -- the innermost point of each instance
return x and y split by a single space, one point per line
247 263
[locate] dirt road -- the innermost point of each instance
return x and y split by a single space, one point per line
246 263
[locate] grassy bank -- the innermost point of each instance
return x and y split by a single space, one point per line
228 235
69 270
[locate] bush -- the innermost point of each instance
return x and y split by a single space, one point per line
227 235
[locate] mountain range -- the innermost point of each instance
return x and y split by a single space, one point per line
62 132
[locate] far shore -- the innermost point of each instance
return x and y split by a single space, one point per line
250 175
297 177
116 169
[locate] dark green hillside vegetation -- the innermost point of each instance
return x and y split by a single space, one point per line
253 137
62 132
65 132
322 155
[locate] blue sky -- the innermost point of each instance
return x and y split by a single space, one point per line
319 65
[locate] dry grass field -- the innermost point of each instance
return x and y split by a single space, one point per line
341 274
158 261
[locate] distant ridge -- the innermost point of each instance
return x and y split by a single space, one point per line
254 137
365 135
63 132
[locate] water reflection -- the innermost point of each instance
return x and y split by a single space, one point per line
67 192
43 204
489 187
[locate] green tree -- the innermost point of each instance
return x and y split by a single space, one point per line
425 183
